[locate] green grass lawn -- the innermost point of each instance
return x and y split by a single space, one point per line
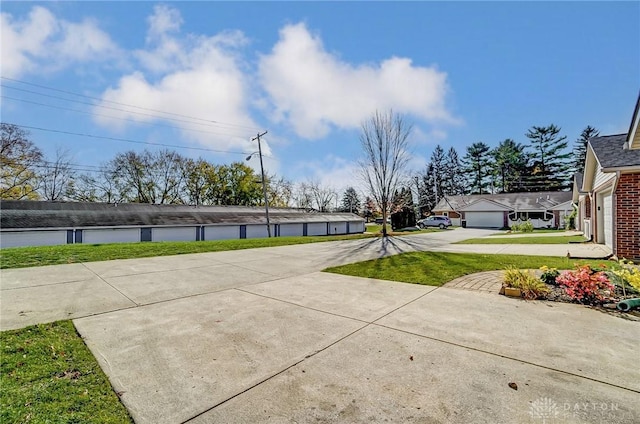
48 375
377 229
437 268
524 240
535 231
20 257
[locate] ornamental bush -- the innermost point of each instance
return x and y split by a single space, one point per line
586 285
526 281
524 227
549 275
628 273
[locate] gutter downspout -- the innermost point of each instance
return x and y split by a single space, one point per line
614 212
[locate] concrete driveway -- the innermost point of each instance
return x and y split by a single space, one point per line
262 336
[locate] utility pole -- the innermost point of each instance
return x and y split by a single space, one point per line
264 183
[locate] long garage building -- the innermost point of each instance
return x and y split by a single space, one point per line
36 223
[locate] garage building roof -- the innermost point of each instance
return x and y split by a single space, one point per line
19 214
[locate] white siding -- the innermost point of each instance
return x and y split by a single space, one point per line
484 219
111 235
222 232
483 205
32 238
173 234
288 230
317 229
337 228
259 231
455 222
602 178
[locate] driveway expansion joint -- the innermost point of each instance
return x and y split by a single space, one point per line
475 349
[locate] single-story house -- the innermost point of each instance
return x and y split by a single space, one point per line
544 209
34 223
609 196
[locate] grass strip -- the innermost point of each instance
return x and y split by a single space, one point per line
48 375
524 240
437 268
21 257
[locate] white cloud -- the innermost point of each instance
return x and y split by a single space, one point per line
314 90
331 171
193 76
42 42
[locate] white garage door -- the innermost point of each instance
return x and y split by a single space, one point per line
288 230
485 219
607 221
32 238
222 232
107 235
173 234
317 229
337 228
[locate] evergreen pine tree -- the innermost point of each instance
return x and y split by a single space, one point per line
550 164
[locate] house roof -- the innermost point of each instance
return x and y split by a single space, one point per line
611 155
529 201
19 214
578 177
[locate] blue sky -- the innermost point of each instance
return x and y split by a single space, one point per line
310 72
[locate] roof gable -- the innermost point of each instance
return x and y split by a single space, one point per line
611 154
485 205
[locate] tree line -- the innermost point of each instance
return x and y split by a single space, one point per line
167 177
159 177
545 163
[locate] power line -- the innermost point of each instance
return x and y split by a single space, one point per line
126 140
113 108
108 116
210 121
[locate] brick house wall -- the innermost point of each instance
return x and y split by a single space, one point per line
587 207
628 216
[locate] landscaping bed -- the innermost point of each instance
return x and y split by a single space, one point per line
602 287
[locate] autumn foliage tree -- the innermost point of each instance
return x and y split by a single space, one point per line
20 160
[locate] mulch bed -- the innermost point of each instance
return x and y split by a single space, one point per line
557 294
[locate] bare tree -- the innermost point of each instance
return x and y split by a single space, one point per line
384 143
101 186
57 177
322 195
149 177
303 198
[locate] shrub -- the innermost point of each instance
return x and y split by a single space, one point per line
627 273
585 285
529 285
524 227
549 275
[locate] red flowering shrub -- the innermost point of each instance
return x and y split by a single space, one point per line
585 285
